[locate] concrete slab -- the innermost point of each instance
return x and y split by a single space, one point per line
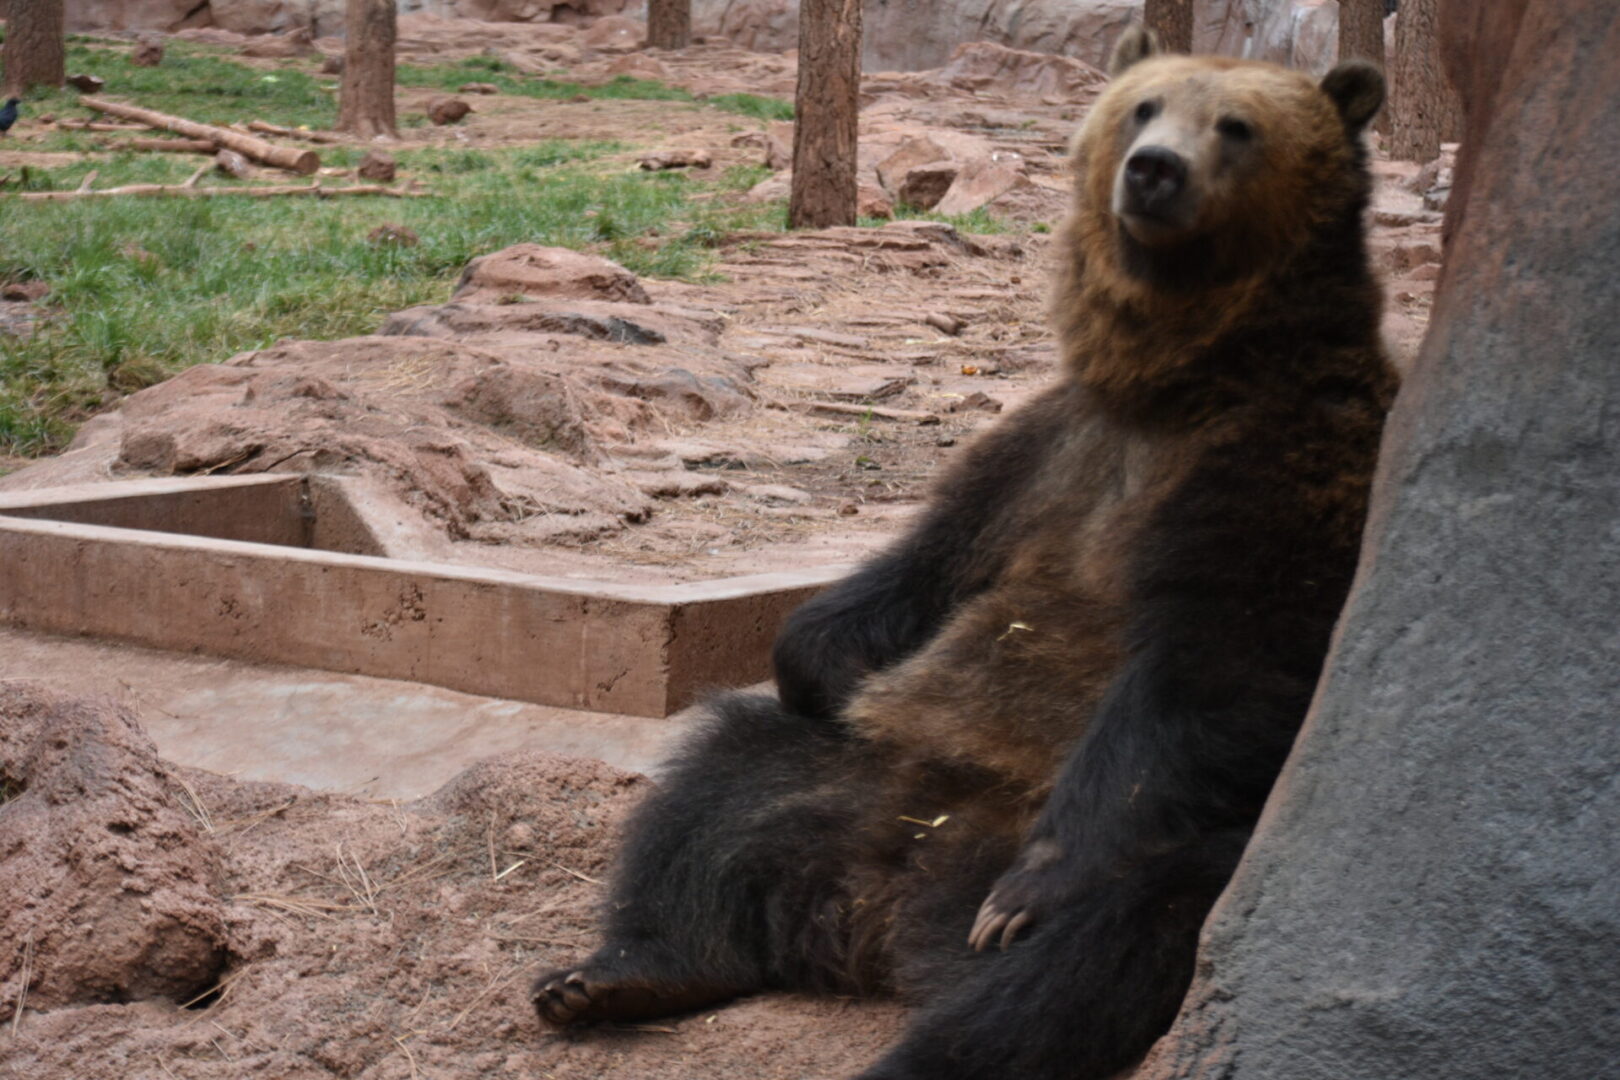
381 737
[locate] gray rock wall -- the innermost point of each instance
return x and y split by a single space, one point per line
1435 888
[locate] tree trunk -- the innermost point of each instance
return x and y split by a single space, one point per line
1361 36
366 100
1172 20
669 24
35 53
1424 108
827 107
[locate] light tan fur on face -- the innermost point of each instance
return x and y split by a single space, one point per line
1266 198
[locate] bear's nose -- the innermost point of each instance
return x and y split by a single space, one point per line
1155 175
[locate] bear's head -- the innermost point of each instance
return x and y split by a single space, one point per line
1199 182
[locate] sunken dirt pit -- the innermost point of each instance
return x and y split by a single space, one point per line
554 415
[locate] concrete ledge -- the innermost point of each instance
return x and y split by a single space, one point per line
636 650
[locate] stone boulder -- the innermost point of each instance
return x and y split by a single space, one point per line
533 270
1432 889
614 34
108 880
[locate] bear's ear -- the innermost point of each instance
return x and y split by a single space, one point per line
1136 43
1357 89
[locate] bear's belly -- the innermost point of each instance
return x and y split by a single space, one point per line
1012 680
1007 687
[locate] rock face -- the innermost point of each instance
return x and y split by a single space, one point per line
907 35
1433 889
107 887
321 17
899 35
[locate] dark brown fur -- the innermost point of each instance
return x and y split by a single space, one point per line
1062 698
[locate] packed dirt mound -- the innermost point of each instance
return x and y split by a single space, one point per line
385 940
108 889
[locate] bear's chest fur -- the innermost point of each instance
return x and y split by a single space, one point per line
1000 686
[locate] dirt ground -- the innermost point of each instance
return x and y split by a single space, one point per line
377 938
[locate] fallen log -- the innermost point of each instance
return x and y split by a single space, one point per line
189 189
249 146
167 146
98 125
265 128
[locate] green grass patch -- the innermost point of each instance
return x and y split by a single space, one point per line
761 108
979 221
142 288
193 81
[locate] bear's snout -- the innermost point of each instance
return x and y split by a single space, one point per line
1155 177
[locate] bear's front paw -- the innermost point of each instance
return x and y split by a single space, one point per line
1038 882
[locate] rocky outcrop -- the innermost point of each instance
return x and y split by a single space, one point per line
1432 889
899 35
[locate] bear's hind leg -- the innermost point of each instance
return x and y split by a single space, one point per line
1082 996
730 880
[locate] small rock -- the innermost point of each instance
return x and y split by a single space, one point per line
677 159
945 324
135 253
639 66
925 185
33 291
392 236
332 65
276 47
945 440
777 154
478 88
377 165
778 494
848 509
871 202
148 52
982 402
912 153
979 182
89 84
447 110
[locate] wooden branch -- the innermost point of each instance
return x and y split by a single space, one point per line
189 189
249 146
293 133
877 412
231 163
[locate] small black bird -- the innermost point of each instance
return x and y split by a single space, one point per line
8 115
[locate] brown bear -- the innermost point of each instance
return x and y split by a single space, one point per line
1013 760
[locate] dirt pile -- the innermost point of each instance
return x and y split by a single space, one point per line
108 888
386 940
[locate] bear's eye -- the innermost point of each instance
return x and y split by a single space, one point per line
1232 128
1146 111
